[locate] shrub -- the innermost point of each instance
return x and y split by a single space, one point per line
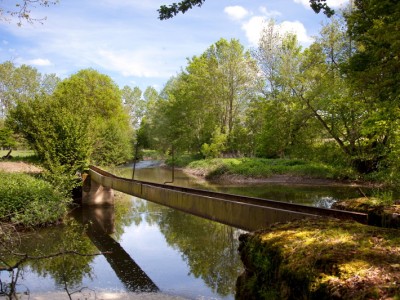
30 201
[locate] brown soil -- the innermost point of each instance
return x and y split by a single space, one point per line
18 167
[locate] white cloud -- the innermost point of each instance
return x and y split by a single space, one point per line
305 3
236 12
337 3
267 13
297 28
140 64
253 29
39 62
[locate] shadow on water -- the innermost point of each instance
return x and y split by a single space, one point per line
99 222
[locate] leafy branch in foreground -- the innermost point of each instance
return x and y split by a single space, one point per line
22 10
168 12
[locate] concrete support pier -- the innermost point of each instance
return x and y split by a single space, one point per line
95 194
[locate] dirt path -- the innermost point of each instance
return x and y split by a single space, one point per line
18 167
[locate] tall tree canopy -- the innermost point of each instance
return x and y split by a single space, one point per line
207 100
167 12
82 121
17 84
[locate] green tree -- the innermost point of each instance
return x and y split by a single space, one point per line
49 83
101 104
149 106
341 111
7 138
223 82
17 84
211 94
58 132
84 120
280 124
134 104
373 71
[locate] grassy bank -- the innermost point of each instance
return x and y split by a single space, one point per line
257 168
29 200
320 259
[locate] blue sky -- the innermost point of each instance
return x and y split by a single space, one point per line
125 39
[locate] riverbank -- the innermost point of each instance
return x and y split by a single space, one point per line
320 259
27 200
283 171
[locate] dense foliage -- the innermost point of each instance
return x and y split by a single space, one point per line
81 120
336 101
30 201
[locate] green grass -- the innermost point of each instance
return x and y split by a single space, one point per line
182 160
28 156
263 168
18 153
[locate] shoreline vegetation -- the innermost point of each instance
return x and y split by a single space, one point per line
29 198
285 171
312 259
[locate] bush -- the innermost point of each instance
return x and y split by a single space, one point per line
30 201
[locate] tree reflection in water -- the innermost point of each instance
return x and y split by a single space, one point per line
208 248
58 252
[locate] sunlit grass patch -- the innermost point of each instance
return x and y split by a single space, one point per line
18 153
263 168
321 259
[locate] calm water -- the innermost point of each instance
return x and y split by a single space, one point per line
320 196
147 247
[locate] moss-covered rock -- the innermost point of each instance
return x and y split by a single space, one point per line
320 259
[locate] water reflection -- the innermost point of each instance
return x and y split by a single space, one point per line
313 195
147 248
50 253
99 223
208 248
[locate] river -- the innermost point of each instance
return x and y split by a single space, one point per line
150 251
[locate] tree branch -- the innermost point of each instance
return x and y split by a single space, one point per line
168 12
25 257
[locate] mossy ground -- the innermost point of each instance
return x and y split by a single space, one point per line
320 259
379 213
